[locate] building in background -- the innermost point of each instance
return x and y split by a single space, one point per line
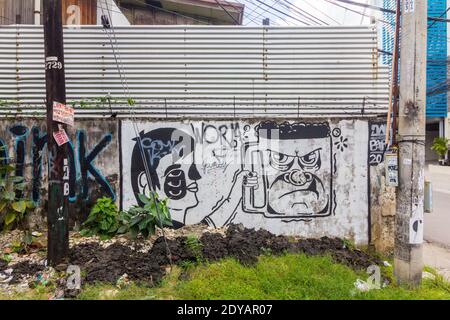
437 70
140 12
126 12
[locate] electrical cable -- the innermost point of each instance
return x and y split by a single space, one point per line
228 13
262 12
438 17
358 12
305 12
135 125
273 14
284 13
313 19
320 11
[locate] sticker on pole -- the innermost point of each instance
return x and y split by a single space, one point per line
63 113
60 137
409 6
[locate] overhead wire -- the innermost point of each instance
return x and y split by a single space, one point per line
358 12
322 12
271 13
290 6
284 13
125 87
227 12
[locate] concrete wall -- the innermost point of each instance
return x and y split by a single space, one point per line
93 157
307 178
310 180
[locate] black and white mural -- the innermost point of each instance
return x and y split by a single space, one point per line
296 177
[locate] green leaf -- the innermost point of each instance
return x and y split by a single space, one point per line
134 232
16 179
19 206
3 205
144 199
85 232
122 229
9 195
104 225
135 221
30 204
104 237
10 217
28 238
151 229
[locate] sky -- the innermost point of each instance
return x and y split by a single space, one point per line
326 11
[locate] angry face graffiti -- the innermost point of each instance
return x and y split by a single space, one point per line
296 165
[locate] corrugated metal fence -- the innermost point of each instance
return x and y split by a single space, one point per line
201 71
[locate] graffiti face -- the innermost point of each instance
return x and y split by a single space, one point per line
172 171
297 169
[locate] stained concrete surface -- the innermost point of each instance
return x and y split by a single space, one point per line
436 250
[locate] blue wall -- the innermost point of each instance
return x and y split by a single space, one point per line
437 61
436 55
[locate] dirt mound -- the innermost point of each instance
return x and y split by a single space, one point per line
109 264
247 244
24 268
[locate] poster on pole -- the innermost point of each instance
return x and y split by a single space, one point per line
63 113
60 137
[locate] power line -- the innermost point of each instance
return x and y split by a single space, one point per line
238 9
135 126
438 17
303 12
223 8
271 13
324 13
358 12
286 14
368 6
261 13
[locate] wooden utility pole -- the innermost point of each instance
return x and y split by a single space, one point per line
57 216
408 262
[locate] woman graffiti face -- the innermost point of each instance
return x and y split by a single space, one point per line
173 174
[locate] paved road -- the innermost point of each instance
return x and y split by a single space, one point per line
437 223
436 249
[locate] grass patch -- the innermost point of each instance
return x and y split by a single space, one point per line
291 276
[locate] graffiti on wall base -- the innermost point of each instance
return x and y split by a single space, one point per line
81 161
215 172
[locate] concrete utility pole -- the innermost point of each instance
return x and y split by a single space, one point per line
57 216
408 263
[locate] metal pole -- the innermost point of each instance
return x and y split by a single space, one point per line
57 216
395 72
408 262
393 91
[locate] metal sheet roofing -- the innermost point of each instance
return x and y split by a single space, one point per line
201 71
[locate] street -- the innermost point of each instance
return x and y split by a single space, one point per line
437 223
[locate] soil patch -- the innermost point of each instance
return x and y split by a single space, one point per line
107 264
24 269
100 264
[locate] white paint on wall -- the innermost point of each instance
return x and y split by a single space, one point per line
306 179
